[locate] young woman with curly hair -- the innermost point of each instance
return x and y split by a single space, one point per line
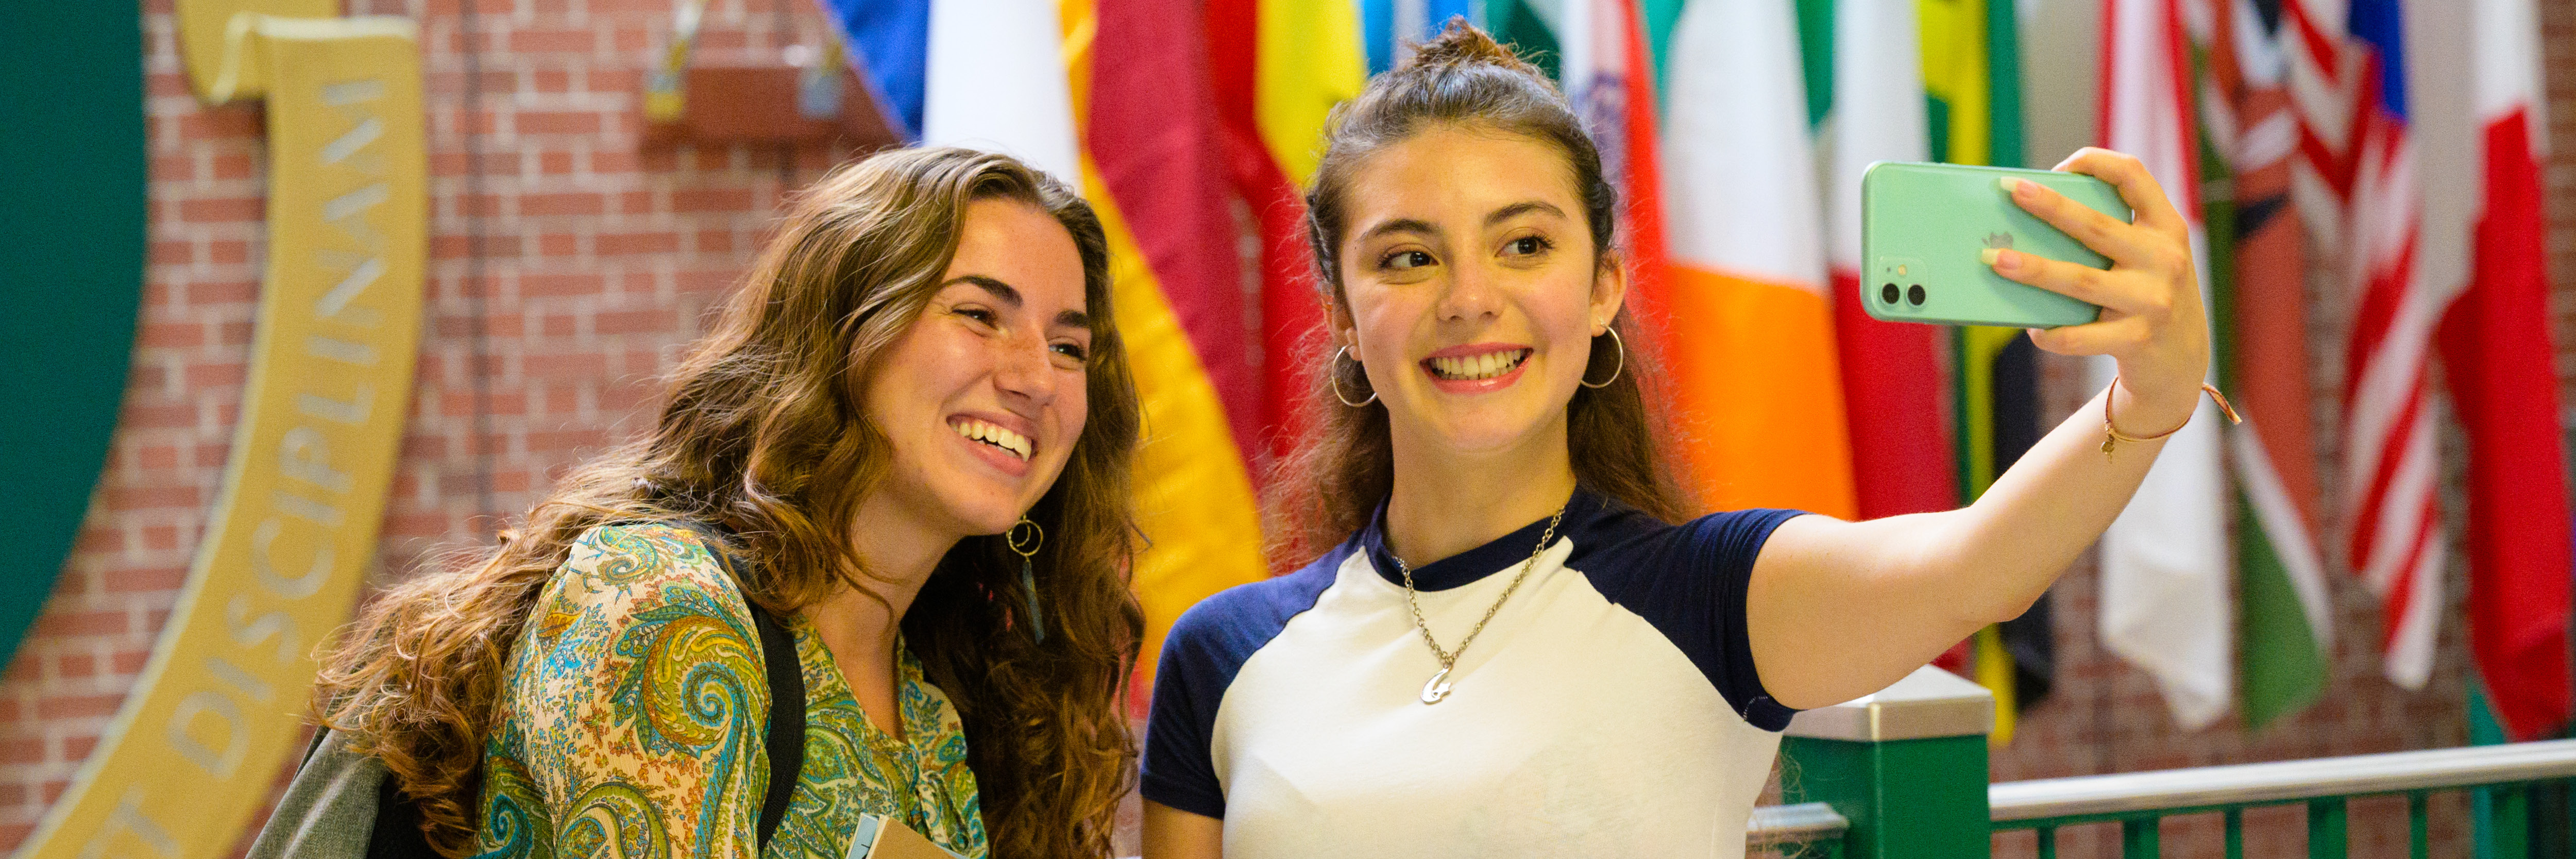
1521 645
918 373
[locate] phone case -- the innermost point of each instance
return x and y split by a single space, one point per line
1924 225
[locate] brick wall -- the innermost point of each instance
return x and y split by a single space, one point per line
569 263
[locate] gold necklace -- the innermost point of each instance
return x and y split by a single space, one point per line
1437 687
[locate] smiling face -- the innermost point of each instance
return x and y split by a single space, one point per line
982 398
1470 288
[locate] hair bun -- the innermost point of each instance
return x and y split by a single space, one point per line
1462 44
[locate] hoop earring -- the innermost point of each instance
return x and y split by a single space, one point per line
1623 361
1027 548
1333 377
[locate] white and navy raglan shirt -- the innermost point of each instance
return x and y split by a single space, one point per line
1611 708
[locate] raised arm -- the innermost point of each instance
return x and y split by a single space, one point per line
1839 609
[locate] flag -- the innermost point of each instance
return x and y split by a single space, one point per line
892 39
2498 360
1756 387
994 79
1529 27
2259 272
1154 170
2165 603
1277 67
1390 28
2390 460
1971 72
1609 79
1866 66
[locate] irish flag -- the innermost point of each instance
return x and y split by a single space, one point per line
1757 387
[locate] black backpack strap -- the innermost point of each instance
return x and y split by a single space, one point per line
785 738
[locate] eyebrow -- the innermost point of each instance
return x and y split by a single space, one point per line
1416 225
1523 208
1009 295
1399 225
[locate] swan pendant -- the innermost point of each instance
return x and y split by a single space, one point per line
1437 688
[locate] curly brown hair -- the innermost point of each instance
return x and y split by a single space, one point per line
762 432
1334 479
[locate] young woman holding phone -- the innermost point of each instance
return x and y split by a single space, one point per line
913 423
1520 644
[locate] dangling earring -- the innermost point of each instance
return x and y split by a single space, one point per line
1333 377
1623 361
1027 548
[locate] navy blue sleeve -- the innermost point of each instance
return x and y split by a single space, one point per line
1690 583
1205 650
1178 769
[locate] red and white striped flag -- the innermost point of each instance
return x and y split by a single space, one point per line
2391 465
2497 361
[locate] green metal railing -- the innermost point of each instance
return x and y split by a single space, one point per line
2140 801
1903 773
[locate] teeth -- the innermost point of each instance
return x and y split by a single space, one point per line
1483 366
993 435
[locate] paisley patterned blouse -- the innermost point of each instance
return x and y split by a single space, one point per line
634 711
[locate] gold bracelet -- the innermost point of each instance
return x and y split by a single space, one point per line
2112 436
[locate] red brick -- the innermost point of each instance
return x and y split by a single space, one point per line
631 321
623 244
552 122
711 200
170 335
150 497
559 284
76 706
553 41
233 166
223 209
568 203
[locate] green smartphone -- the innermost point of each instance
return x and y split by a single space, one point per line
1922 227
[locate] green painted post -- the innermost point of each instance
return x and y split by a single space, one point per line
2327 838
1907 767
2138 838
2512 822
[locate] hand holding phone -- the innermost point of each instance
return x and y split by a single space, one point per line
1923 227
2101 263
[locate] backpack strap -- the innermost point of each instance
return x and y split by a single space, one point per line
785 737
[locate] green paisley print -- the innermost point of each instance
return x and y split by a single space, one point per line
634 711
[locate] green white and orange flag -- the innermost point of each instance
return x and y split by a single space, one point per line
1757 390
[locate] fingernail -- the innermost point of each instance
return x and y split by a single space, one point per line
1999 258
2012 184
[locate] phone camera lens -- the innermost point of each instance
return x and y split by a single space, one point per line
1887 293
1914 295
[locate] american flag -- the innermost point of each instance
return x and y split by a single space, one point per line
2357 180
